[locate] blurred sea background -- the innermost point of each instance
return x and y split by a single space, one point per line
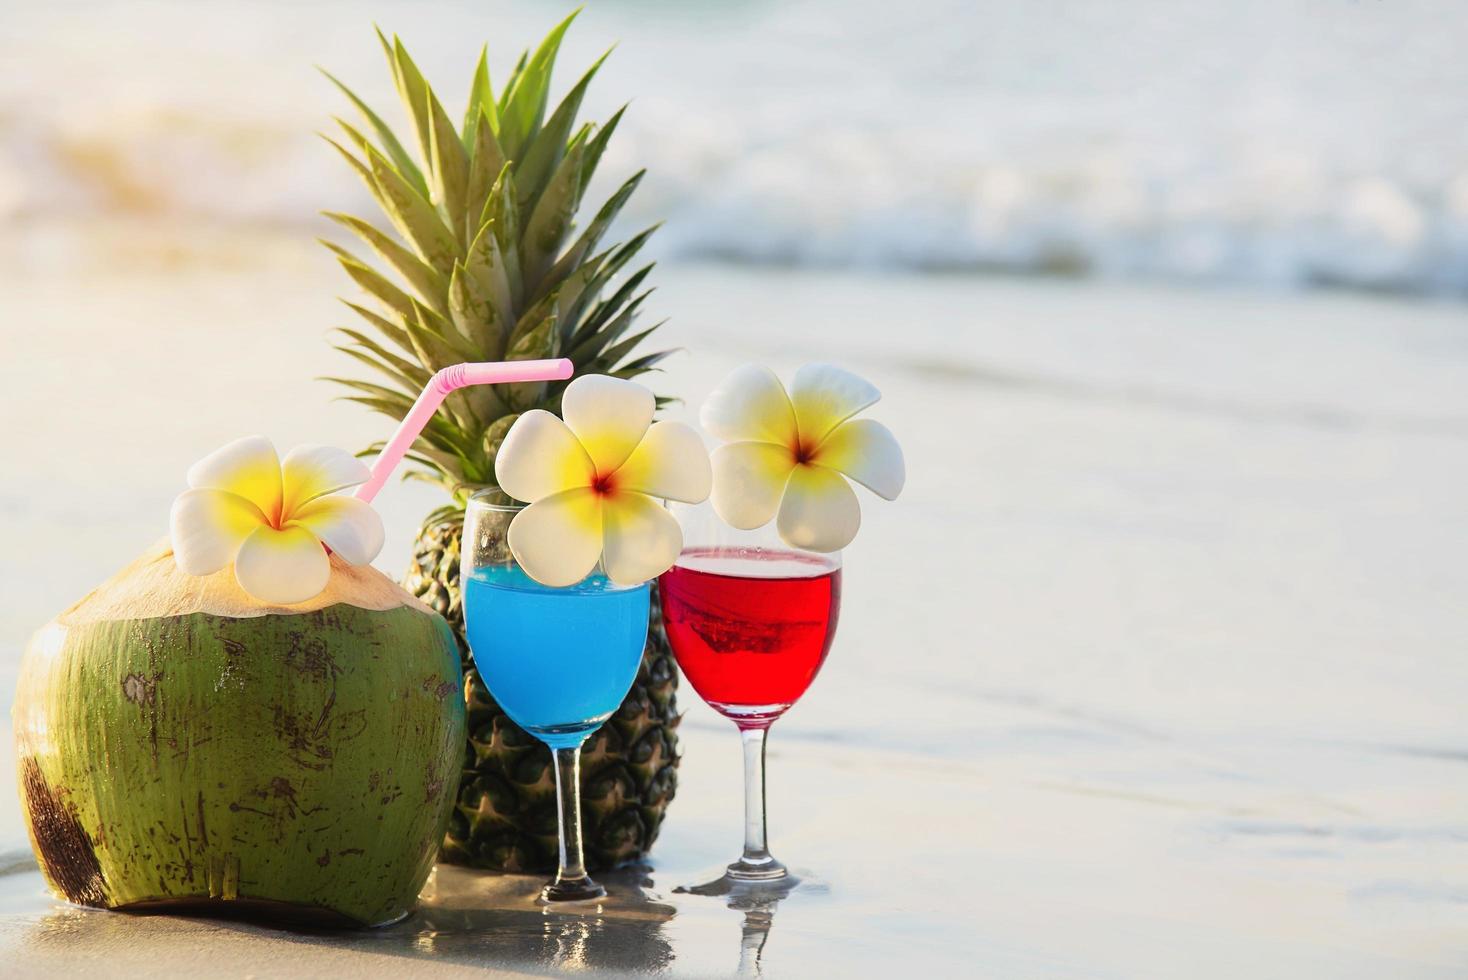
1256 143
1167 302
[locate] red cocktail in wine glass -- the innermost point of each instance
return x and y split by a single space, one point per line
750 620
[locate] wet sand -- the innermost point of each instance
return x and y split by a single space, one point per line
1155 670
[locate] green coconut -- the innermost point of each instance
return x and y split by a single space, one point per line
183 746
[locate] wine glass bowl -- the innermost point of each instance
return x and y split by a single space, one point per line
751 624
546 649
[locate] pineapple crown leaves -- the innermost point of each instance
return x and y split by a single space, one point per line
477 257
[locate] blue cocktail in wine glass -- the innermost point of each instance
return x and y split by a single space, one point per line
556 592
558 660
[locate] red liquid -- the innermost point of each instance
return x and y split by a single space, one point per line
750 627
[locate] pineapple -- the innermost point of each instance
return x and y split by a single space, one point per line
484 266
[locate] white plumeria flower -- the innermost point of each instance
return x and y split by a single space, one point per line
271 517
788 456
592 483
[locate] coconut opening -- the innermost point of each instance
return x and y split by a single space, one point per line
153 586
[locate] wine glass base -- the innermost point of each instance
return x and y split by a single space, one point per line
743 889
742 870
581 889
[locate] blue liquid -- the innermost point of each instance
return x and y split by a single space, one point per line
559 661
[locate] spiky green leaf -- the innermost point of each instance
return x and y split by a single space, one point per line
526 95
415 219
606 309
413 90
502 215
432 340
411 370
374 282
588 240
392 331
385 136
548 147
396 398
362 143
473 316
647 361
486 162
531 319
438 349
539 342
596 145
401 380
485 402
424 454
389 407
486 268
494 436
450 166
504 99
425 280
629 374
481 102
633 245
590 347
575 292
546 230
613 355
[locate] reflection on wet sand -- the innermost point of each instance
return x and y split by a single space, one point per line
758 901
468 916
464 918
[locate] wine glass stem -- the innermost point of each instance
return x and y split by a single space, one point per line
568 798
756 847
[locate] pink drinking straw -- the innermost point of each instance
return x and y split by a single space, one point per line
453 378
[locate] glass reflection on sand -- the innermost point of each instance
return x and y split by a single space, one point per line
471 917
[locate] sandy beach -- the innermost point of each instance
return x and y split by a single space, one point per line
1153 669
1156 669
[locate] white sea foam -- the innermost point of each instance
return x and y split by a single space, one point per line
1289 145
